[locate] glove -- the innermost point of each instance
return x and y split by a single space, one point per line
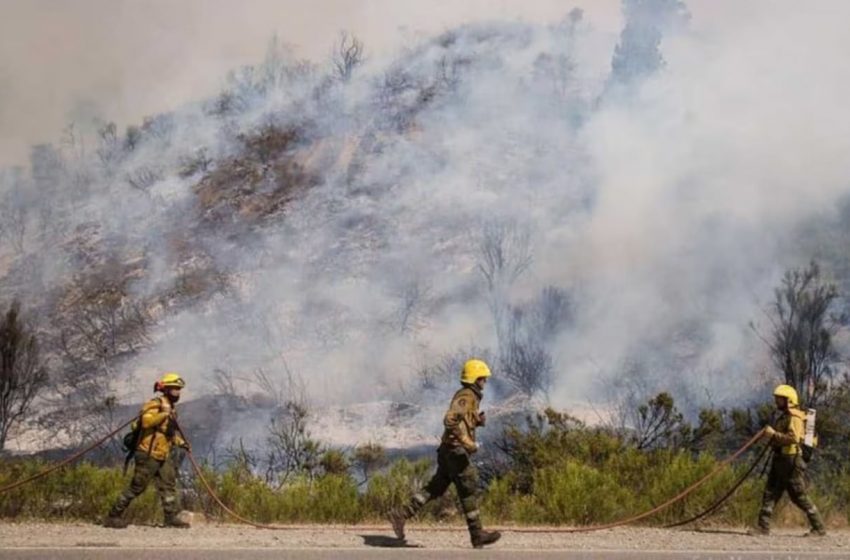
482 419
187 446
769 432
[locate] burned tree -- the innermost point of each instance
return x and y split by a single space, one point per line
98 326
14 209
802 329
504 253
23 373
291 450
347 55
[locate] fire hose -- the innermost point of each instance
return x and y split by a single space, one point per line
678 497
587 528
722 499
68 460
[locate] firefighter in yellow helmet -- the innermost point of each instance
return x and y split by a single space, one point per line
454 463
788 469
156 434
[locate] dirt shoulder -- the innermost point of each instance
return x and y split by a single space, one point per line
224 536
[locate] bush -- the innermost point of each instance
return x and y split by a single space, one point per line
83 491
329 498
577 494
556 471
394 488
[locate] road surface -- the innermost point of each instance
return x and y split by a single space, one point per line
70 541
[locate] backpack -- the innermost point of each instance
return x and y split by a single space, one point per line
131 439
810 438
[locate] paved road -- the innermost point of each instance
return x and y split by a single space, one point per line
412 553
212 541
81 553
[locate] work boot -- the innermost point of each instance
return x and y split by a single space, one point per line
480 539
397 520
758 531
175 523
813 532
115 522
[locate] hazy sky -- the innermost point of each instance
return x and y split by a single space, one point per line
63 60
670 213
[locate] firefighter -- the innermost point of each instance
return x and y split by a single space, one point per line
454 462
157 436
788 469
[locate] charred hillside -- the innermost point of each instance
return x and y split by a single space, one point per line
600 217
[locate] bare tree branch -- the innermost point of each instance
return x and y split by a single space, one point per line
800 340
23 374
347 55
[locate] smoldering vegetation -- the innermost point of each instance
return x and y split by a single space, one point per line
602 218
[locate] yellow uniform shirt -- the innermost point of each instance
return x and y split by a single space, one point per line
790 429
158 432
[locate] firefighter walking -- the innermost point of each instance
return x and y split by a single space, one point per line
454 463
788 469
157 434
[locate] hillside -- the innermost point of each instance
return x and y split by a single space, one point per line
601 217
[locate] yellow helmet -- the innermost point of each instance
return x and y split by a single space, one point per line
472 370
789 393
169 379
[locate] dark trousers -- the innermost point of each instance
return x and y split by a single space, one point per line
147 469
453 467
788 474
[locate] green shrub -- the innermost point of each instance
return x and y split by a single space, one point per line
82 491
330 498
394 488
559 472
500 502
577 494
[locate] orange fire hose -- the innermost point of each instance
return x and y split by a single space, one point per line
66 460
680 496
588 528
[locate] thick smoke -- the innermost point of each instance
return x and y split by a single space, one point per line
640 199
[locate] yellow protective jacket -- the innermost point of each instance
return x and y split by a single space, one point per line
462 419
158 431
790 429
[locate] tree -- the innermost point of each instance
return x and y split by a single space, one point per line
504 253
802 329
14 209
523 358
49 189
658 423
334 462
109 147
99 325
347 55
369 458
638 53
412 298
23 373
291 450
80 174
